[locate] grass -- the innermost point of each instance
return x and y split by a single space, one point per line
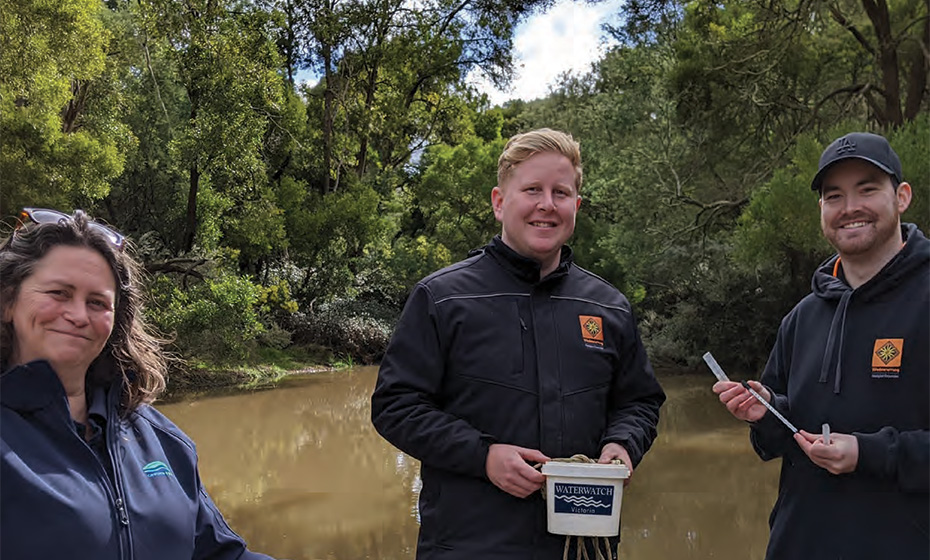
264 368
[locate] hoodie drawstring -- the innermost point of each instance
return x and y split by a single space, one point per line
837 330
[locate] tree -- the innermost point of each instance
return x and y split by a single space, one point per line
55 150
454 195
875 56
227 62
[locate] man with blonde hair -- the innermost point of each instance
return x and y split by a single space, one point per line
511 357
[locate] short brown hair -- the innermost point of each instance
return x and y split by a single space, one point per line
526 145
132 350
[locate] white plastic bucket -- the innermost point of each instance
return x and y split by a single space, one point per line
583 499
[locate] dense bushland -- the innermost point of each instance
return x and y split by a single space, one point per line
286 222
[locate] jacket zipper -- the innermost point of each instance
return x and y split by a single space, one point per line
112 437
111 488
112 495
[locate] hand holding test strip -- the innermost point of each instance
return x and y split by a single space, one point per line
715 367
770 407
718 373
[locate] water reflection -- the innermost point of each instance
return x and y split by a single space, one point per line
300 473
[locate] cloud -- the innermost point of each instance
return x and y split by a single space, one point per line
567 37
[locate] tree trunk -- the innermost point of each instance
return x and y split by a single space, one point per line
328 118
290 41
919 68
190 225
72 111
190 222
877 11
370 86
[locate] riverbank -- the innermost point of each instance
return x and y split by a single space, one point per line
265 370
270 368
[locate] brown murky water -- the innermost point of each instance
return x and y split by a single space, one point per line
300 473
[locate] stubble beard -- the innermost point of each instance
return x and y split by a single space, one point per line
877 235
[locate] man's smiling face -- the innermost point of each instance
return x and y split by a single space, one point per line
860 209
536 205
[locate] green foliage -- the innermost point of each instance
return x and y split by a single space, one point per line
216 319
356 331
256 228
328 236
781 225
276 297
226 61
52 152
453 196
414 259
912 144
488 125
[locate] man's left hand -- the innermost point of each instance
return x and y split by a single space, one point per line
613 451
839 457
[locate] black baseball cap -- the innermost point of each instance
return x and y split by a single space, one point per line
860 145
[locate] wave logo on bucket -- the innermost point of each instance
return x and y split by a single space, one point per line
584 499
156 468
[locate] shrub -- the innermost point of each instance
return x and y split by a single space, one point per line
355 331
216 319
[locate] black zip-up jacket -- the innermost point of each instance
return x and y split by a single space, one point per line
484 353
858 359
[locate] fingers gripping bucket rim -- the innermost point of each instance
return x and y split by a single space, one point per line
583 499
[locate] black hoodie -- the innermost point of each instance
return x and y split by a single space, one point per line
858 359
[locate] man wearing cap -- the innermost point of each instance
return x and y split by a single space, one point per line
854 354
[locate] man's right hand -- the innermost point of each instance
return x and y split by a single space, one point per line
508 469
739 402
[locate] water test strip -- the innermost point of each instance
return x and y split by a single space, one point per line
770 407
715 367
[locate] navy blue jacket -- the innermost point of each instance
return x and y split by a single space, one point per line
858 359
59 501
486 352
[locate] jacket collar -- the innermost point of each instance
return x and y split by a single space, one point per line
524 268
30 386
35 385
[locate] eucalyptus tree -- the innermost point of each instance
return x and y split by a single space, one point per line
390 71
874 55
60 137
225 57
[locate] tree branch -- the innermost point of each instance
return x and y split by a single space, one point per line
841 19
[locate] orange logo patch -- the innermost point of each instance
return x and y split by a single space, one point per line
886 355
592 329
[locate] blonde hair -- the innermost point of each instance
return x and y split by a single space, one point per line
526 145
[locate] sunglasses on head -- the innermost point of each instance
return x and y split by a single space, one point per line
46 216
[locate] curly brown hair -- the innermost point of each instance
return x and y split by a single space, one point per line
132 351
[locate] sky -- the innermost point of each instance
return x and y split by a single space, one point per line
567 37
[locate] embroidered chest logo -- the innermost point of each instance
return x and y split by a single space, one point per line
886 357
592 330
156 468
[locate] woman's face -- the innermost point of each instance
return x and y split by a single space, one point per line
64 311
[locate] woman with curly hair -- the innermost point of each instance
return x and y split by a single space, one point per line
89 469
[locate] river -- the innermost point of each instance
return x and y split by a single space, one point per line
300 473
